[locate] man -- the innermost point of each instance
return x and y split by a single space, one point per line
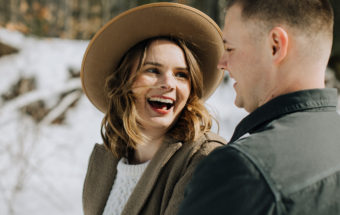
284 157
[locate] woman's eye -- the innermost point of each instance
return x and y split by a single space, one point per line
228 49
182 75
152 70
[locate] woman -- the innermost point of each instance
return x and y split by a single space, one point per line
149 71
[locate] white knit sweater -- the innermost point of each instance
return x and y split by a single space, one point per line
126 180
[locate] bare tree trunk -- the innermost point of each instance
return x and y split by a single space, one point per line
182 1
211 8
214 10
83 18
336 44
106 10
13 11
124 5
4 12
68 18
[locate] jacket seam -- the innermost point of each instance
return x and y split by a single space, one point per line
313 181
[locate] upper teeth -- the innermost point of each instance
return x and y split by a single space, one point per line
156 99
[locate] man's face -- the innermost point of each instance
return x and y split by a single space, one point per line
246 58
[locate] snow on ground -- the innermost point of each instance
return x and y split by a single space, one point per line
42 166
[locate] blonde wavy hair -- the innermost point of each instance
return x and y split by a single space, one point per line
121 131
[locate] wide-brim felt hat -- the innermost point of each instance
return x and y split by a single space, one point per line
114 39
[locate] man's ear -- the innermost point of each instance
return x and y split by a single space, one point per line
278 38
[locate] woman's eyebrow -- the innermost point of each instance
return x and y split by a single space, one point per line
160 65
182 68
152 63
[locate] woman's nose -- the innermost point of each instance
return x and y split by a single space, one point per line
168 81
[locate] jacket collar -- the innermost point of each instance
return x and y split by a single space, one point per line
305 100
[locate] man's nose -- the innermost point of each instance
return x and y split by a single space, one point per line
223 62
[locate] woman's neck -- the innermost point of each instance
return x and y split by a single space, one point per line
145 151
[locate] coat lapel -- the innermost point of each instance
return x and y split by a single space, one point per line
149 178
99 180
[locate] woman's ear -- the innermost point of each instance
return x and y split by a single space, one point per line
278 38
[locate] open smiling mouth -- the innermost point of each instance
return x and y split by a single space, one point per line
160 104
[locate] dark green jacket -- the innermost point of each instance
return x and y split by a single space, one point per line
289 163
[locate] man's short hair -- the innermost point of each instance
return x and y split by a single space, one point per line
309 16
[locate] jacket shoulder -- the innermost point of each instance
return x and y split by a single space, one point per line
100 154
208 142
223 181
213 137
99 148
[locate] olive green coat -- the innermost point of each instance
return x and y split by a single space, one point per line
161 187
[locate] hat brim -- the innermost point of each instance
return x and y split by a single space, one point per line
114 39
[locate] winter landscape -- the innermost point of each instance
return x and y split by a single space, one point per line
48 127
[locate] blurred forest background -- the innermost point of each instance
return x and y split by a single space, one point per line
77 19
43 112
80 19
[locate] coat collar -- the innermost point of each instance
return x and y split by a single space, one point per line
285 104
149 178
100 175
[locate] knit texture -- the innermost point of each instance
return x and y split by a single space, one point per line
126 180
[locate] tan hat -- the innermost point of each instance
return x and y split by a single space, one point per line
114 39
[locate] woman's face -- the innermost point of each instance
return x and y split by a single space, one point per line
162 86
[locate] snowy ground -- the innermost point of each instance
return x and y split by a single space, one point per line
42 166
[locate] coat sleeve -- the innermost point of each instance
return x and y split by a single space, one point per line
226 182
178 192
